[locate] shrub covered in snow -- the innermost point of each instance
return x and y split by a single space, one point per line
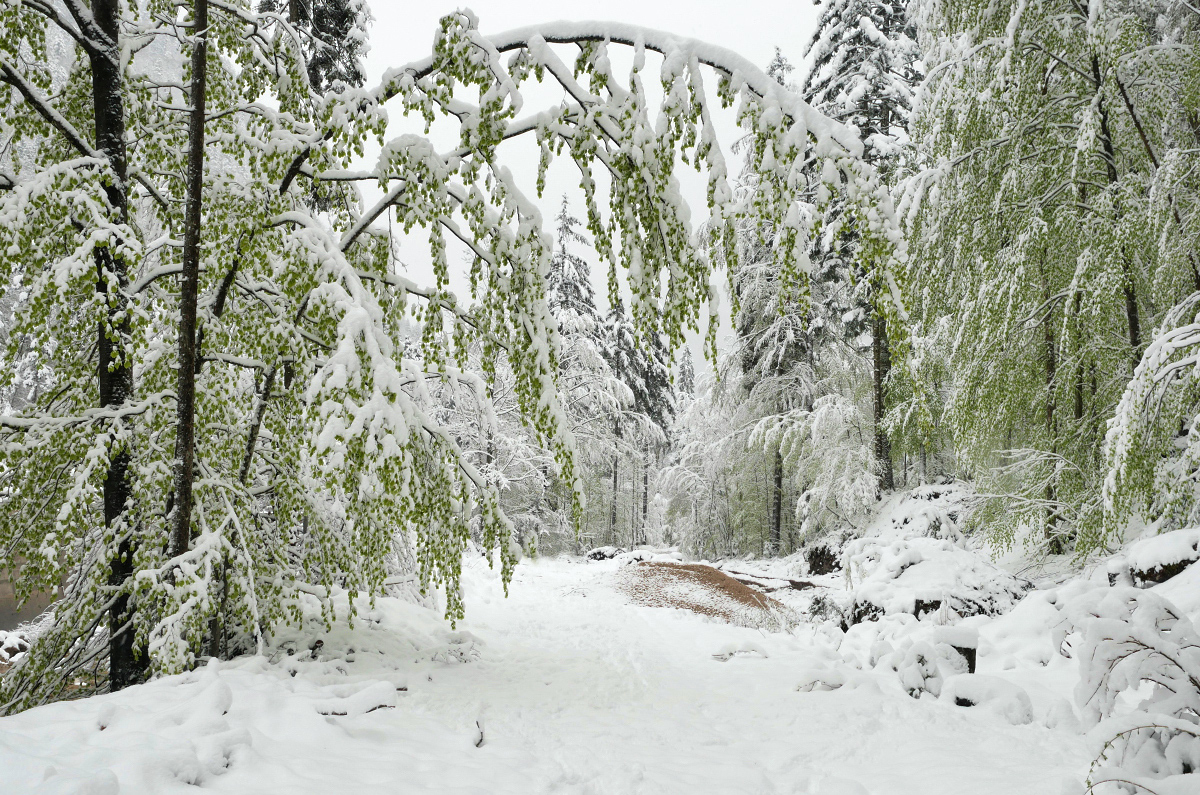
917 560
1139 646
604 553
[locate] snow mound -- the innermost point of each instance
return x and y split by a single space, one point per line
1183 591
604 553
917 560
1004 698
925 576
1156 559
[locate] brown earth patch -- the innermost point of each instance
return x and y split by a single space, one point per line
701 589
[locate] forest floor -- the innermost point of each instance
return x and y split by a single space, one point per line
567 685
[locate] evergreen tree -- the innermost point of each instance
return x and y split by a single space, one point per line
863 71
687 374
594 398
333 34
569 291
643 365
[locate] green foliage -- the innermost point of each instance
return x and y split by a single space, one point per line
1048 239
324 369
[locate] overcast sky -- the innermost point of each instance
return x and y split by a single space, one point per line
404 31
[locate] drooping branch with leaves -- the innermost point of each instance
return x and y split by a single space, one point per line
315 425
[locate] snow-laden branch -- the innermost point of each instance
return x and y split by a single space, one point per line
677 50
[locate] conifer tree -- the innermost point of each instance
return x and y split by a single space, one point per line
863 71
333 34
569 290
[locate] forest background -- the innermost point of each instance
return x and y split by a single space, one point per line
958 242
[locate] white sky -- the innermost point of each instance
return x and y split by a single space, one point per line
404 31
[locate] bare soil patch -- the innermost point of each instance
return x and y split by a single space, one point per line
704 590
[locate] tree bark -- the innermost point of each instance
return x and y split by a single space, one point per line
115 368
612 517
185 424
776 502
882 364
645 491
1051 427
1133 321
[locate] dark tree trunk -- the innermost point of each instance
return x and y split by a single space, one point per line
1131 315
115 369
1129 288
1078 375
645 491
260 413
633 503
1051 427
185 424
882 364
612 517
777 502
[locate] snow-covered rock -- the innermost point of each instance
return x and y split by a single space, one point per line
1156 559
604 553
12 645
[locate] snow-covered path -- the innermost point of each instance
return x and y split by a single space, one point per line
575 690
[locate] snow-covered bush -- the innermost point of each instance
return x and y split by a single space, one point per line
1139 650
919 562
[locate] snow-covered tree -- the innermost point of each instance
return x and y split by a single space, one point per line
314 427
1047 228
863 62
642 364
333 34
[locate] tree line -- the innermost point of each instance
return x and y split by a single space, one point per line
1042 160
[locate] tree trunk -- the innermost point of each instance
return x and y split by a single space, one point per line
115 369
777 502
612 517
1078 374
185 423
882 364
1051 428
1129 288
645 491
633 503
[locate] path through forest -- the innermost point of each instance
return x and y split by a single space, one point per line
565 686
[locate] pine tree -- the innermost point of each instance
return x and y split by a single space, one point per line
643 365
569 290
863 71
687 374
594 398
333 33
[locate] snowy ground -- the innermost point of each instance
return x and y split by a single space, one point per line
574 690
